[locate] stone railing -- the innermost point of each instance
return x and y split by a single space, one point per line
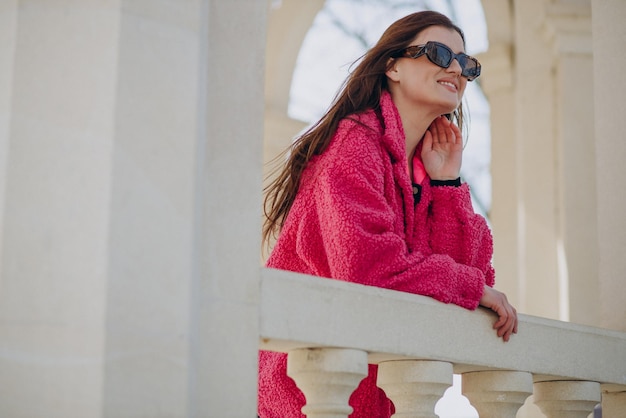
332 329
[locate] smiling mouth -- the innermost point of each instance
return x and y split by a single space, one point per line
448 84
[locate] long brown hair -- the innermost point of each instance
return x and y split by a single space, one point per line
361 91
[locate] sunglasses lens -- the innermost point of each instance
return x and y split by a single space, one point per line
470 67
439 55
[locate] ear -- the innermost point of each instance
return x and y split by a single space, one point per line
392 73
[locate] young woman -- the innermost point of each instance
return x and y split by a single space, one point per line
371 194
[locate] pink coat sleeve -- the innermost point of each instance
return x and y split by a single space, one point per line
459 232
358 211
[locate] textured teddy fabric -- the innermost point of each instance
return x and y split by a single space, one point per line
355 219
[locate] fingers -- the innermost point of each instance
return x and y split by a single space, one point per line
444 131
507 321
427 141
442 150
438 129
434 130
457 133
509 327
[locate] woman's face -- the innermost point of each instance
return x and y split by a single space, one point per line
418 81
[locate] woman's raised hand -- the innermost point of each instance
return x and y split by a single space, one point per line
507 315
442 150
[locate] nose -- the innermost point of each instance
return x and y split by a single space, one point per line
455 67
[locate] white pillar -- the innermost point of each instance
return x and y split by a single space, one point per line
609 33
414 386
498 87
327 377
497 394
151 219
57 124
567 399
568 30
224 317
535 115
132 187
8 38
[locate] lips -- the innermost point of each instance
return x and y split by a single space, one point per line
449 84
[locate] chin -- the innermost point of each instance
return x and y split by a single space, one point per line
452 106
449 108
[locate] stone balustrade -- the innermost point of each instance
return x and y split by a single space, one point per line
332 329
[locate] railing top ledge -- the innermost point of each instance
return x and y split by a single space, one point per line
304 311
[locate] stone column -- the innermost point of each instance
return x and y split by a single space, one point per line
57 124
609 33
505 213
414 386
535 116
568 30
8 38
497 394
327 377
227 215
567 399
131 191
152 213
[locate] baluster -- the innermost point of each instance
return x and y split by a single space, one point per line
327 377
497 394
567 399
614 401
414 386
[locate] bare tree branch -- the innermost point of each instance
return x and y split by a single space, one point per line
359 36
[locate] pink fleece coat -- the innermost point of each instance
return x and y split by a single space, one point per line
355 219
